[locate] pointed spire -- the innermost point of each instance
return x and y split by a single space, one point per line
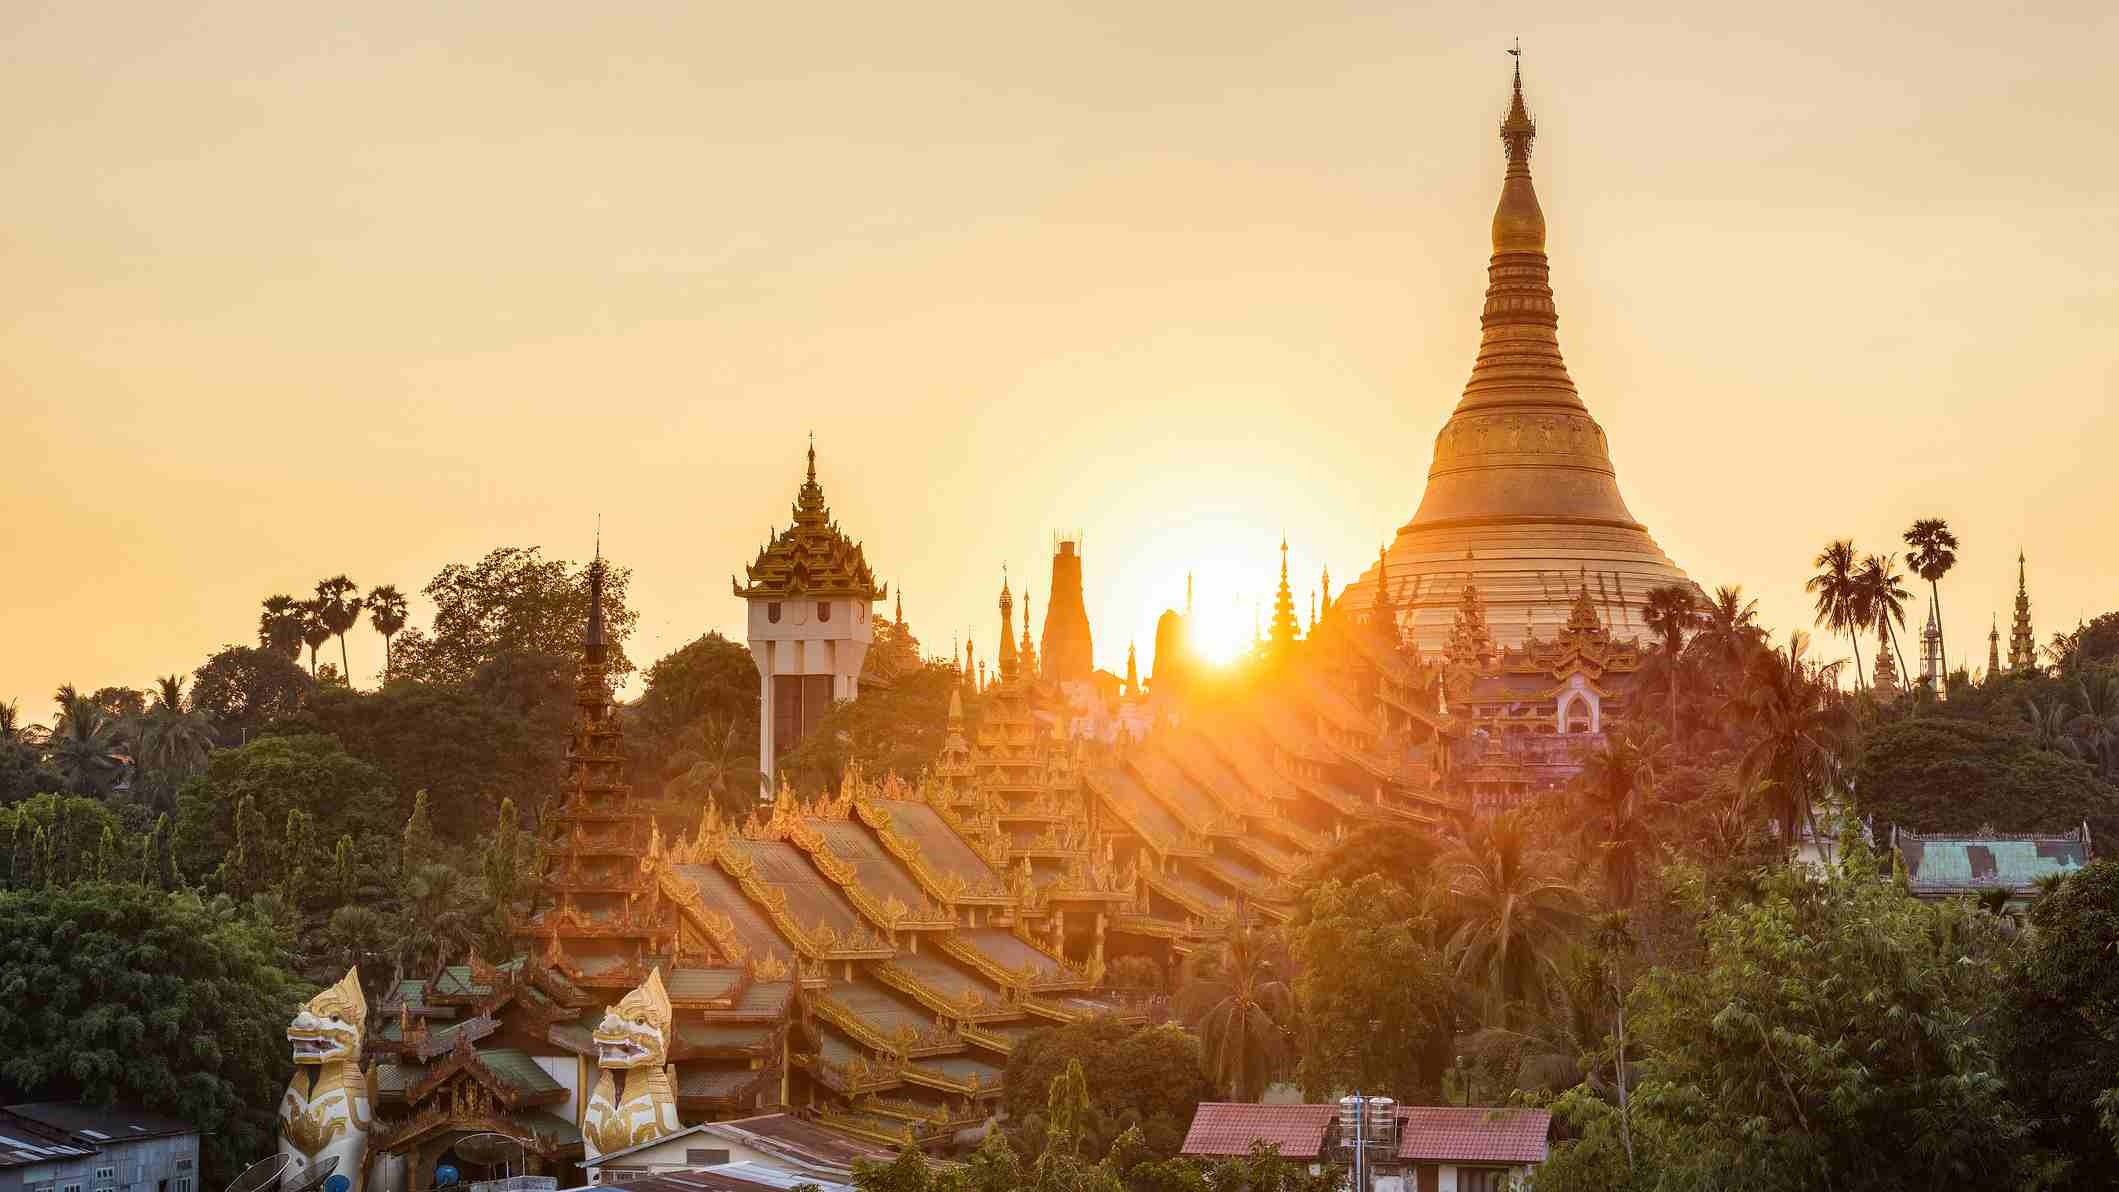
1132 689
1993 646
1327 583
1886 669
2023 645
1007 603
900 618
1026 653
593 636
1188 593
1284 625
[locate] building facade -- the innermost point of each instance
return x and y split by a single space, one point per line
64 1146
810 596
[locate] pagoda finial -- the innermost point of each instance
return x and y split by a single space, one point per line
1519 223
1007 604
1132 689
593 636
1188 593
901 607
1284 625
813 457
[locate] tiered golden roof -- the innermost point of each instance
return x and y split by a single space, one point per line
811 559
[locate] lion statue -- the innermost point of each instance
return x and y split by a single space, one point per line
632 1046
329 1106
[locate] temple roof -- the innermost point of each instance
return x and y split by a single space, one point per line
811 558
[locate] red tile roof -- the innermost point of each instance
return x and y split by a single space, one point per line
1229 1128
1450 1134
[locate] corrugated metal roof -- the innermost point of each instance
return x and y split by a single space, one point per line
519 1070
111 1122
1456 1134
1230 1128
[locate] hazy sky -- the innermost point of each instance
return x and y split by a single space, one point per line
288 290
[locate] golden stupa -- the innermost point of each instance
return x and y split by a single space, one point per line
1521 500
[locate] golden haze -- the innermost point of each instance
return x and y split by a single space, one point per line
288 292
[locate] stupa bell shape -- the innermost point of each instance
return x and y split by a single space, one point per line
1521 498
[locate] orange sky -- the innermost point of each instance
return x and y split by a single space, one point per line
287 291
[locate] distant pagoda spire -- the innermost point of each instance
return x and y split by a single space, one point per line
1886 670
1312 630
1007 655
1066 651
2023 647
1284 627
1931 664
1326 583
1993 646
1132 689
1026 652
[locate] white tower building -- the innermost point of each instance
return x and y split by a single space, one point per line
810 594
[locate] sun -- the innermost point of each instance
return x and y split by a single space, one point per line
1230 566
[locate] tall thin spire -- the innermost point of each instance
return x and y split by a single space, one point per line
1993 647
2023 646
1284 625
1007 603
1188 593
1132 689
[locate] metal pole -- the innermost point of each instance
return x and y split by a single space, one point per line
1361 1154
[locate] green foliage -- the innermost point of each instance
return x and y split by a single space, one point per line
1398 855
342 796
465 751
708 678
244 688
898 729
1151 1077
1829 1039
1937 774
1240 1003
2059 1033
1374 994
57 840
512 602
117 991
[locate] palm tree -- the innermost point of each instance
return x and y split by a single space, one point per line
280 626
1841 604
1934 553
723 771
338 605
315 632
2096 723
2048 726
1241 1011
1729 633
1886 597
177 737
1517 912
386 615
1614 780
1802 726
1670 613
83 743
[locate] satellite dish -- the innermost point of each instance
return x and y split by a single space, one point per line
261 1176
315 1175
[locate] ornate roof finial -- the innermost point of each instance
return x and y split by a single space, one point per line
1519 223
813 457
593 637
2023 646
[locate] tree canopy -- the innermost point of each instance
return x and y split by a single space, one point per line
115 991
1940 774
513 601
340 794
1150 1077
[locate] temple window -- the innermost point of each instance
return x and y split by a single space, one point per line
772 612
823 610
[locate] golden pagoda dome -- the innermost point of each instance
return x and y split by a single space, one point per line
1521 498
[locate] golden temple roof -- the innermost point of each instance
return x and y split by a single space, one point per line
812 558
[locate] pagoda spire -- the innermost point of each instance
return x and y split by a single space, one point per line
1132 690
2023 647
1284 625
1327 585
1007 655
1886 670
1993 646
1026 652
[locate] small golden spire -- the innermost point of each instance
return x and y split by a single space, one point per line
1519 223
